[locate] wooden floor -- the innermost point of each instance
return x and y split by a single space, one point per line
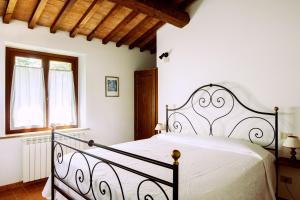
25 192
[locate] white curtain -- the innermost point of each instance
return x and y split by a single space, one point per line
62 109
27 98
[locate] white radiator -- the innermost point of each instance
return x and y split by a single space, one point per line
37 154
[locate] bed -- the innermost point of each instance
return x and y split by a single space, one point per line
215 147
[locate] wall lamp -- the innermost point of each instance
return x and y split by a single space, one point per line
166 54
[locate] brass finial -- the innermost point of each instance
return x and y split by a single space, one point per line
276 109
176 155
91 143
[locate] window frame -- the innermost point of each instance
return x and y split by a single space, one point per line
11 53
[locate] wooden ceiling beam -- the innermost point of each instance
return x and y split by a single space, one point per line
68 5
133 31
120 26
93 33
37 13
9 10
153 51
177 2
86 17
147 40
148 35
149 45
184 4
180 4
158 9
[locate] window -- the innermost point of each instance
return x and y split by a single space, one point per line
41 89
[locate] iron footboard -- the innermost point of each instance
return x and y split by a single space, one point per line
104 188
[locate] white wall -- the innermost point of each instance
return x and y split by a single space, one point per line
252 46
111 120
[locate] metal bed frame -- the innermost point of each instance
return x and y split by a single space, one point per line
211 100
213 97
80 176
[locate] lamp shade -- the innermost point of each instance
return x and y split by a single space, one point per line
159 127
292 142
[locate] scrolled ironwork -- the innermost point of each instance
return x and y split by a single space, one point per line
79 176
103 182
102 189
59 159
149 196
60 154
258 134
256 131
203 100
79 173
220 99
86 186
209 100
177 125
213 99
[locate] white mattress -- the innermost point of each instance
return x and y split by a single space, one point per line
210 168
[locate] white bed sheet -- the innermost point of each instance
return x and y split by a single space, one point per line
210 168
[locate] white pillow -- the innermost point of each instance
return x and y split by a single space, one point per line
215 142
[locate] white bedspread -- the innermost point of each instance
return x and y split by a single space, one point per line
210 168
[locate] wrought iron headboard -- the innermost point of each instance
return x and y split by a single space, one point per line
210 100
213 97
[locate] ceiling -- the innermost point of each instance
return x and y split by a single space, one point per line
125 22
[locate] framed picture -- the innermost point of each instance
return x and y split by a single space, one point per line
111 86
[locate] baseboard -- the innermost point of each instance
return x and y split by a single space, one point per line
11 186
20 184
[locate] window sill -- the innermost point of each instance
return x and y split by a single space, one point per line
39 133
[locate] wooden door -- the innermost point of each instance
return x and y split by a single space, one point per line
145 103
